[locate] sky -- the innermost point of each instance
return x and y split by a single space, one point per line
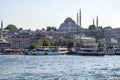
38 14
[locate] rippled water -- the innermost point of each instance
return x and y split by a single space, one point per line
62 67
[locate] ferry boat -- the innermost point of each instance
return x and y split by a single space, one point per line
14 51
48 51
90 52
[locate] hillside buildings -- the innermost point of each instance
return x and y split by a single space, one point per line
112 33
70 31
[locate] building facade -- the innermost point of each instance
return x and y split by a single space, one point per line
86 41
20 41
112 33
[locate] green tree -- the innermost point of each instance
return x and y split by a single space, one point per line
46 42
11 27
20 28
32 46
92 27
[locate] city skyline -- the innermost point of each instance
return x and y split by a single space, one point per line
37 14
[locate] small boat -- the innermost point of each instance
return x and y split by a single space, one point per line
90 52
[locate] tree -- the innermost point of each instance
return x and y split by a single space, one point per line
32 46
43 29
20 28
92 27
46 42
49 28
11 27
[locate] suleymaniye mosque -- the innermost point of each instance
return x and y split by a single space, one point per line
70 26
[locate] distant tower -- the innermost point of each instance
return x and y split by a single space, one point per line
77 19
93 22
1 29
97 21
80 18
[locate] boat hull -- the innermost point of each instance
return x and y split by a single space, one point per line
92 54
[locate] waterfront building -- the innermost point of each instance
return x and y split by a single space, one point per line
20 41
86 41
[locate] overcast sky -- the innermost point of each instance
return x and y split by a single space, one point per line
37 14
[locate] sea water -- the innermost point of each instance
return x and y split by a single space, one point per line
59 67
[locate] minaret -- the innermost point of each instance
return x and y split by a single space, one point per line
93 22
80 30
80 19
1 29
97 21
77 19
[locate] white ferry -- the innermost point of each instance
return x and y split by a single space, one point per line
48 51
90 52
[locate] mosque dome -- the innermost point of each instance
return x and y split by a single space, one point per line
68 20
69 25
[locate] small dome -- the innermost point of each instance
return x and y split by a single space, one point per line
68 20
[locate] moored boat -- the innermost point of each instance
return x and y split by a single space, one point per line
14 51
90 52
48 51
